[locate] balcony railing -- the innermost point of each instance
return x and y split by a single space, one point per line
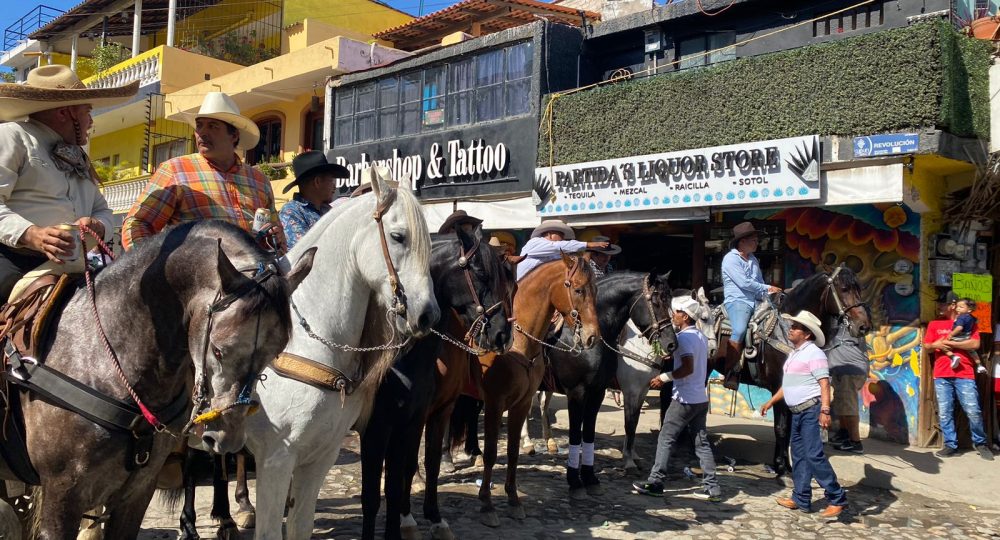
145 68
19 30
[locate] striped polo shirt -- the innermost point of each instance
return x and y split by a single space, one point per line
802 371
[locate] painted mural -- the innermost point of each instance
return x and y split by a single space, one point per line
881 244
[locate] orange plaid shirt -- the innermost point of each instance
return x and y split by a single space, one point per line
190 188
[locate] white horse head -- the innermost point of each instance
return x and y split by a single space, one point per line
706 321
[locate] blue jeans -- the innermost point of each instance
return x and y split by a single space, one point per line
949 388
739 317
677 417
809 461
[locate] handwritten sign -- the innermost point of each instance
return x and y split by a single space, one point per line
975 286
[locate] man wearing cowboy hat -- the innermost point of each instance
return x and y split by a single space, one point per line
212 184
315 177
743 285
600 257
459 218
689 405
805 387
548 242
45 176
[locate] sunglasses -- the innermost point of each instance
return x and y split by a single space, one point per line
797 326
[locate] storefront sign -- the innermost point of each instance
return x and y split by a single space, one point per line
977 287
884 145
766 172
447 164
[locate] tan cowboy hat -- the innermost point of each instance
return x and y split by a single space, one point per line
219 106
52 87
810 321
554 225
612 249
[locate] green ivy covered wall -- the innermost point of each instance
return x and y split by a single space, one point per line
925 75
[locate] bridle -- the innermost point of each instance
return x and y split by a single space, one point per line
831 290
398 294
481 323
574 314
650 334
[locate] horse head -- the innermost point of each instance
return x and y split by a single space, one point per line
706 320
652 313
844 292
575 299
481 286
246 324
393 253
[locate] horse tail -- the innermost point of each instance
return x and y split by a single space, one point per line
170 497
33 523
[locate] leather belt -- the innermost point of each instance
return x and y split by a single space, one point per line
804 406
312 372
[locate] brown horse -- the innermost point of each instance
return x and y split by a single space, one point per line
566 286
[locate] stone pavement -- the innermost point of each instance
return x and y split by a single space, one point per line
934 501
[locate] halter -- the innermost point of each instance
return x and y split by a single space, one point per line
481 323
398 295
653 331
573 313
841 310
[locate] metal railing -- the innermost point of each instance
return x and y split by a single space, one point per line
19 30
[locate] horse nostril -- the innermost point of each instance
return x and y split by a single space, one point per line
209 442
671 347
591 341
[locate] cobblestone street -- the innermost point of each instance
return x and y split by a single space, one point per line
747 510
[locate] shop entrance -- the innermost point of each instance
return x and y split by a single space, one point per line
659 251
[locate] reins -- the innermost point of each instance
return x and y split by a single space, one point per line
655 360
575 348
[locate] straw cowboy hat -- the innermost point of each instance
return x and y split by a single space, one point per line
687 305
810 321
553 225
309 164
219 106
458 217
503 237
612 249
742 231
52 87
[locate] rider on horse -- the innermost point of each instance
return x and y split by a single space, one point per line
548 242
743 287
46 178
316 179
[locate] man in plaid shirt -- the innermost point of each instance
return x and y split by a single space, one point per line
212 184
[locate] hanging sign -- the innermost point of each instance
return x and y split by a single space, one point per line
977 287
765 172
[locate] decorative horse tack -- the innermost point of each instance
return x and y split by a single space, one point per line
658 355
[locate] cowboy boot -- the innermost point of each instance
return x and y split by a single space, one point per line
734 358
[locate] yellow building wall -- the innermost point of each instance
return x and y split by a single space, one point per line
359 15
293 115
128 144
61 59
180 69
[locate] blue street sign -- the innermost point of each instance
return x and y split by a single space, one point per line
884 145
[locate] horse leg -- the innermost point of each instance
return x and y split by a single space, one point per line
472 428
401 465
632 396
433 433
273 474
374 441
126 519
245 516
518 414
492 434
189 518
527 443
220 501
306 483
782 438
575 406
547 416
59 514
591 406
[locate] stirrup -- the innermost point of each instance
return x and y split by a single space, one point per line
750 352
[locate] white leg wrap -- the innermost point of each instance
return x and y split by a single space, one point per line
574 456
588 454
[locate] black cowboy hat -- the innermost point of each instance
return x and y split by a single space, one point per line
309 164
458 217
612 249
742 231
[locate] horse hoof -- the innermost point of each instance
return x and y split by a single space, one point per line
246 520
228 531
516 512
479 461
410 532
490 519
595 489
528 449
447 467
578 494
552 446
441 531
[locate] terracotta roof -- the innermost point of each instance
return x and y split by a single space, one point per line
492 15
154 17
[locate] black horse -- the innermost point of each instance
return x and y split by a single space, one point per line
584 376
471 281
836 294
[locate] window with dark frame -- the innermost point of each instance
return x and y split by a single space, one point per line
313 135
269 146
861 18
169 150
488 86
719 46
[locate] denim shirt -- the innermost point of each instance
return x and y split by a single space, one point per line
297 216
741 279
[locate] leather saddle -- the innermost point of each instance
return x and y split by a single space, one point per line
761 328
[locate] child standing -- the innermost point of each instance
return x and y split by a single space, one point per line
962 329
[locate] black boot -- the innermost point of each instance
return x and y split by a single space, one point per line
734 365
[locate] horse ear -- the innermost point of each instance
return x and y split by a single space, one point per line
702 297
663 278
468 239
567 260
229 276
406 182
301 269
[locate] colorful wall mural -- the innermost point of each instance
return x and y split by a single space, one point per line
881 243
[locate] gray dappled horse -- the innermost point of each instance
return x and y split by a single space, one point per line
153 305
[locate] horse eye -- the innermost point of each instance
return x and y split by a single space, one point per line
217 352
398 236
578 291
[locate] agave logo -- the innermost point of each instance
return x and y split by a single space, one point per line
804 162
862 146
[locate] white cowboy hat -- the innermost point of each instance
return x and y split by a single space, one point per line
687 305
52 87
810 321
219 106
554 225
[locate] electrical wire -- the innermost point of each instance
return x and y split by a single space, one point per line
713 14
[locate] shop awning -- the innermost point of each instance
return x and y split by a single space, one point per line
510 214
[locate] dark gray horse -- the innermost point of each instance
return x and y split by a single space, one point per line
154 308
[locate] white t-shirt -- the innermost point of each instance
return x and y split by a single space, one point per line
691 389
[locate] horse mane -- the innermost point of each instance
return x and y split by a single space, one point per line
796 298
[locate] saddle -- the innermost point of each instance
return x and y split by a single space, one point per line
760 329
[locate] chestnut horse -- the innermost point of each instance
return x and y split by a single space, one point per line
567 286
